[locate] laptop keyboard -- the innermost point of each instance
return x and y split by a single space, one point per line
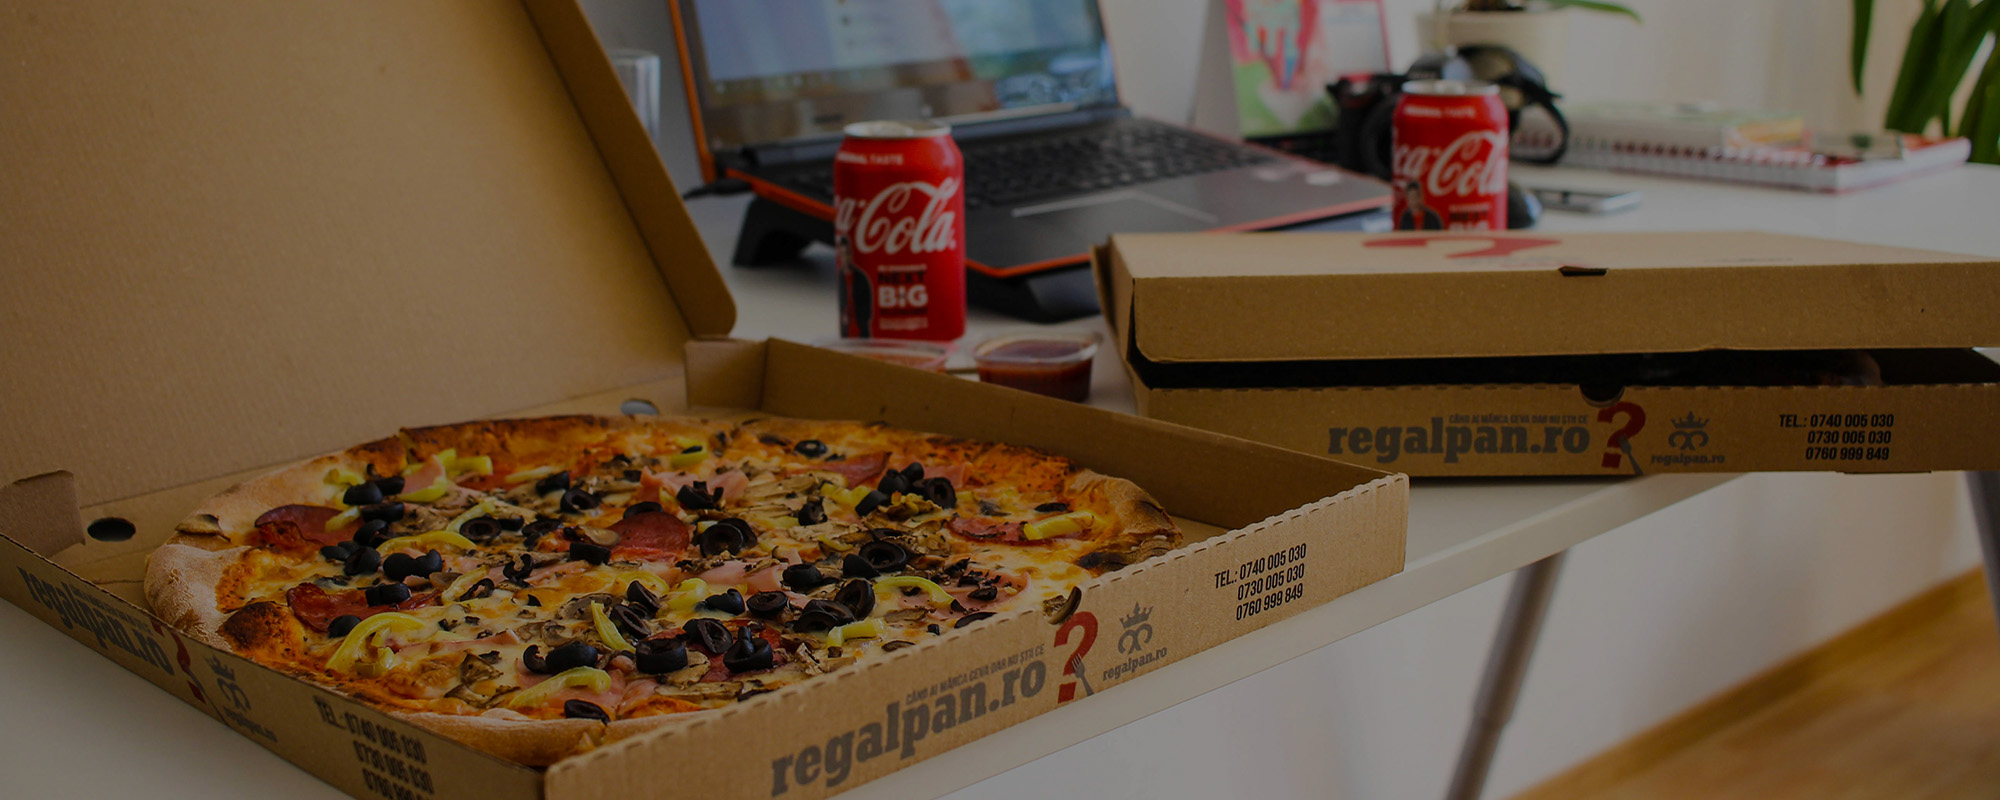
1129 151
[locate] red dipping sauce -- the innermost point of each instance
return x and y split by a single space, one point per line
1054 363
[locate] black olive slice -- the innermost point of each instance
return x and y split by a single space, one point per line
727 536
371 533
839 611
812 513
810 448
885 556
480 529
389 487
577 501
592 553
729 602
939 491
362 494
641 508
769 605
709 635
340 625
533 661
660 656
984 593
571 656
482 588
853 565
913 473
386 512
399 566
971 618
509 523
364 560
518 571
386 594
892 484
430 562
638 595
534 531
631 619
338 553
553 483
697 496
869 502
803 578
749 654
584 709
958 566
858 596
1052 508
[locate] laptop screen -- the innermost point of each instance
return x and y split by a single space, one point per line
769 71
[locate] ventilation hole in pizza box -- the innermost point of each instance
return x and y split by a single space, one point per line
111 529
1602 394
1059 609
639 408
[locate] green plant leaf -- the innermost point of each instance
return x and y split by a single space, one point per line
1857 55
1916 57
1598 5
1962 28
1981 121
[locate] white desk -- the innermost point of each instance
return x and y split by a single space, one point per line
70 704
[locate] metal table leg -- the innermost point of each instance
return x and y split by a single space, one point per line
1506 668
1985 488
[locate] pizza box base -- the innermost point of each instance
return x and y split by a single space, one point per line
1270 534
333 219
1932 413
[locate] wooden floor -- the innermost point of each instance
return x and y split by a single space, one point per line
1905 706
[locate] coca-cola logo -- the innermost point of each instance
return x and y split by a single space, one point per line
1473 164
892 222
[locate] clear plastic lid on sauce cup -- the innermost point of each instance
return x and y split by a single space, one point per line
927 356
1054 363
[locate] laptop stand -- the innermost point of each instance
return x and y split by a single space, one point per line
774 233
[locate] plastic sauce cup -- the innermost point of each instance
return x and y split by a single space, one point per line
927 356
1053 363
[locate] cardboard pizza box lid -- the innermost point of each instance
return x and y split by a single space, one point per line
1305 296
240 234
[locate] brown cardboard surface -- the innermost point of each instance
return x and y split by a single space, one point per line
1266 297
231 226
248 234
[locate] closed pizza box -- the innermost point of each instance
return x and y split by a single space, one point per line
1466 354
239 235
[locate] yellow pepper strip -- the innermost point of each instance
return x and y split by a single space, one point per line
367 634
889 588
534 474
484 508
607 631
828 541
425 541
865 629
590 678
653 583
474 465
847 498
429 493
689 458
343 519
1063 525
343 477
444 459
686 595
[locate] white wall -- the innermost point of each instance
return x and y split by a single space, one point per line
1649 619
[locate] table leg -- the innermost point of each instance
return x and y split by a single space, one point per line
1506 668
1985 488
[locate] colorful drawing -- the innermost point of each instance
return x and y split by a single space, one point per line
1285 52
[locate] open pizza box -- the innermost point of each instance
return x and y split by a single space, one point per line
244 234
1469 353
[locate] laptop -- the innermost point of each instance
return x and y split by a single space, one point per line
1054 163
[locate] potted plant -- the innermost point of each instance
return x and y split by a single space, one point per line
1537 29
1942 44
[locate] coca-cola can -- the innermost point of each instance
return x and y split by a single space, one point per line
1450 165
899 231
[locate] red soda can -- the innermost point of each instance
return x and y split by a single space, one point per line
899 231
1450 163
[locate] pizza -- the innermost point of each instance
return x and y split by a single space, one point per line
537 587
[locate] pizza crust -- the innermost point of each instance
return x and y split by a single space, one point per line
180 587
1143 528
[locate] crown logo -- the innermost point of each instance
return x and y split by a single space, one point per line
1690 422
1137 617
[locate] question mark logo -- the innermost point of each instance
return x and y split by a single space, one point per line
1619 444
